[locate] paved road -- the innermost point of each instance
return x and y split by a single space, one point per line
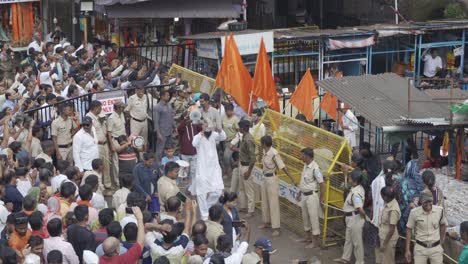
287 248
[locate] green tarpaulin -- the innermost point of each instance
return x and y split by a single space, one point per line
459 109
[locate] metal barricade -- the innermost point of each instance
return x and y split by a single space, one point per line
332 153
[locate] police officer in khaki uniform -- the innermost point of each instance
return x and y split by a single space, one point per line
355 218
247 158
138 108
387 229
311 180
180 103
428 222
270 186
100 126
62 130
115 128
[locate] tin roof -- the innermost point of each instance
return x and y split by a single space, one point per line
383 99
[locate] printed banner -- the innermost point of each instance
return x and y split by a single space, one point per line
250 43
207 49
342 44
286 190
109 99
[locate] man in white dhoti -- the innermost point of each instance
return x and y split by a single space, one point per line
208 184
350 125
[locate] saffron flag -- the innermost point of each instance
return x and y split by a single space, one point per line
263 83
238 82
329 104
221 76
304 94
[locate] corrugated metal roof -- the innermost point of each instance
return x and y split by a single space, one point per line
383 99
457 95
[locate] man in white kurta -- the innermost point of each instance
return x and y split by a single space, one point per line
208 184
350 125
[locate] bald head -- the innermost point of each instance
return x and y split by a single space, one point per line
111 246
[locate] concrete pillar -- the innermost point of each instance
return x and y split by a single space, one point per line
187 26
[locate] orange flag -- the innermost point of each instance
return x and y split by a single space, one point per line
304 94
238 82
329 104
263 83
220 78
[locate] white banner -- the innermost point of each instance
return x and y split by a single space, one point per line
207 49
16 1
250 43
286 190
109 99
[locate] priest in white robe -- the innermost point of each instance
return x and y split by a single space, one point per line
208 184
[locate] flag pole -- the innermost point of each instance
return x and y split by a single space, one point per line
250 102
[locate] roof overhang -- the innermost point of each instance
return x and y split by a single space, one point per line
173 8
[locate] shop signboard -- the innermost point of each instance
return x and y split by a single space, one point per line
207 49
250 43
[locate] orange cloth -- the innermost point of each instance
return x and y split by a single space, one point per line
18 242
304 94
445 144
235 79
87 203
263 83
427 149
222 73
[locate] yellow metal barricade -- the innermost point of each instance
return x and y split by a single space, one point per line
198 82
331 152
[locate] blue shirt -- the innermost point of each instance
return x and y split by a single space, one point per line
8 103
165 159
12 195
145 176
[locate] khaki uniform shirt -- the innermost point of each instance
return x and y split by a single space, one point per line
100 127
247 149
138 107
213 231
355 199
311 177
272 161
251 258
167 188
426 224
62 129
390 216
179 105
116 125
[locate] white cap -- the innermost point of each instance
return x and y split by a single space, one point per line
90 257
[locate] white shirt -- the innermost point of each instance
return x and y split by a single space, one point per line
431 65
236 256
36 46
257 131
46 78
23 186
378 203
3 215
85 149
57 181
98 201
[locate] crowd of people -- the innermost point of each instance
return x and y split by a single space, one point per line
78 185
